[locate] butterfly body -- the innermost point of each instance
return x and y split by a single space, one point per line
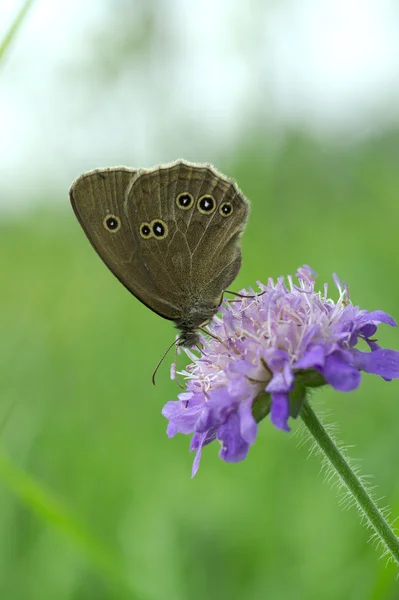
170 235
192 319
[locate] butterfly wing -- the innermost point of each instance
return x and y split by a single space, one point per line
199 256
98 199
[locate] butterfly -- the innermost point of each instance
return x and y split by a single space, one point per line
170 234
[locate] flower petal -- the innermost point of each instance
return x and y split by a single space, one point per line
380 362
196 444
368 330
216 410
280 410
183 414
239 386
248 425
379 316
313 357
234 448
281 380
341 375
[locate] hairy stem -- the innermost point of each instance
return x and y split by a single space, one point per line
353 483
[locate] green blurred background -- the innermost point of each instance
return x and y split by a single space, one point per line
95 501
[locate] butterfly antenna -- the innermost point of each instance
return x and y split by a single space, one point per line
162 359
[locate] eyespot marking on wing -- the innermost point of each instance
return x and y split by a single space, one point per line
145 231
159 229
112 223
184 201
226 209
206 204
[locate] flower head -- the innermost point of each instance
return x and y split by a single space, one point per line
266 350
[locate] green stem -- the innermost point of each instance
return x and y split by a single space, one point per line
354 485
14 27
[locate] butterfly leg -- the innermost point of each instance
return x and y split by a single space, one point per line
212 335
243 295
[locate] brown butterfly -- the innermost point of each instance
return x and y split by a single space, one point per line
170 234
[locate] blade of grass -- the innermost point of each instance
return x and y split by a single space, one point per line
15 27
40 501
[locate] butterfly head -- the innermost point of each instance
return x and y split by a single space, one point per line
188 339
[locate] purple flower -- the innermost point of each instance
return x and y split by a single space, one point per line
267 350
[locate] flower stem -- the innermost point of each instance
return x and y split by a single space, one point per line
348 477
